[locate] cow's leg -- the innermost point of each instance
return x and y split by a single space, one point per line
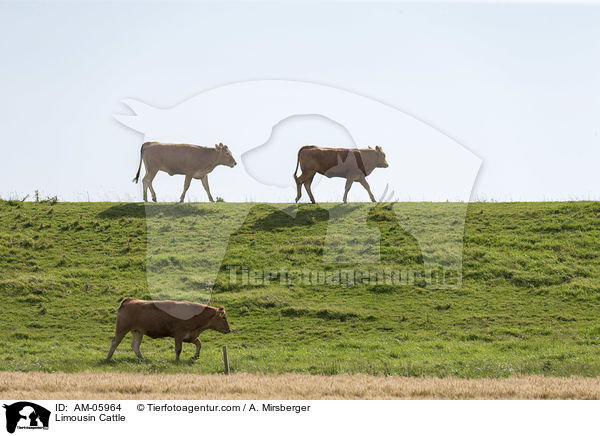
178 344
363 182
206 188
145 187
119 335
307 182
298 187
186 185
136 342
147 181
347 188
198 345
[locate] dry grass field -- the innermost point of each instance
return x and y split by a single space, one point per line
38 385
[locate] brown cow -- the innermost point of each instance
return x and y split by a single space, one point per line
180 320
194 161
352 164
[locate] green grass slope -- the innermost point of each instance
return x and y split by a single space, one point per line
529 302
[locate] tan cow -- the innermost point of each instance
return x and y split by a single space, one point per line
193 161
180 320
352 164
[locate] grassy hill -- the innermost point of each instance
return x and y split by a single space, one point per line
529 302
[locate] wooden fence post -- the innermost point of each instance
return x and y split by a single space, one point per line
225 359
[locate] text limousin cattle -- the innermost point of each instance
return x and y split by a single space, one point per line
352 164
193 161
181 320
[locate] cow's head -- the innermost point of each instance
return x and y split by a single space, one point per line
220 323
381 162
225 156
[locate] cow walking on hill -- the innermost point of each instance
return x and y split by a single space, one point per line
193 161
180 320
352 164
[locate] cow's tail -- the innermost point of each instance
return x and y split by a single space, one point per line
297 165
137 176
125 300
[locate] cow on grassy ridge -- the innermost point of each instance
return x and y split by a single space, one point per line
193 161
352 164
180 320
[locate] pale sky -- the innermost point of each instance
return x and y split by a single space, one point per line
518 85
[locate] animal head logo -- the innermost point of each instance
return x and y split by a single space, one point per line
24 414
265 123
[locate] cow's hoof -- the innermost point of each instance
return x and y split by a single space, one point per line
154 200
195 357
